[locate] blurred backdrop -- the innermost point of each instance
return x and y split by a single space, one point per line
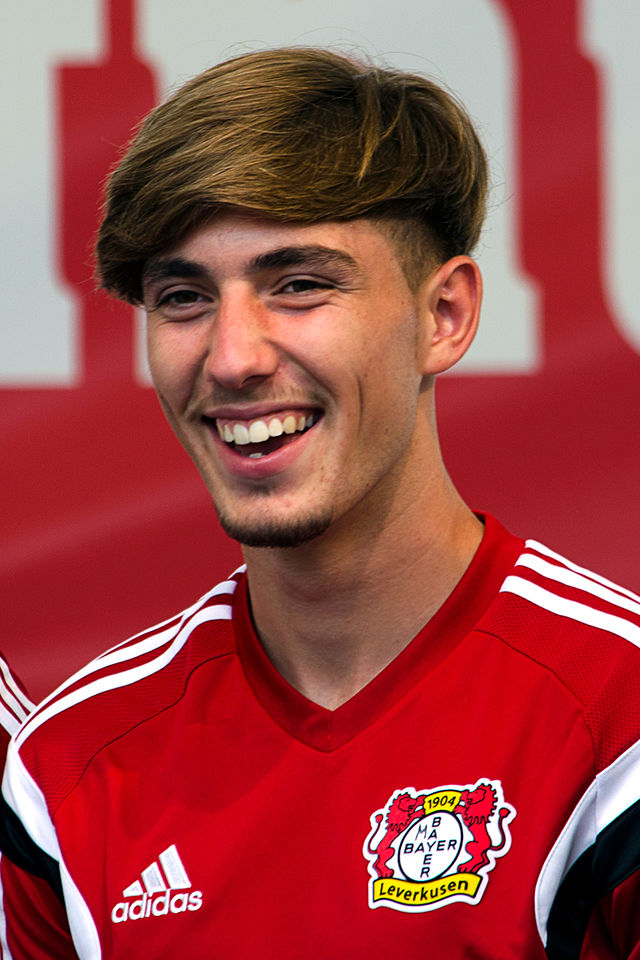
106 526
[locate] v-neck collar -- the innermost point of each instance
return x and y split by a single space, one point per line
326 730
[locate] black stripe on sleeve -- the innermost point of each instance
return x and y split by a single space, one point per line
613 857
18 846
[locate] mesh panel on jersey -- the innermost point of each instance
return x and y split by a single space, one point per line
59 751
601 669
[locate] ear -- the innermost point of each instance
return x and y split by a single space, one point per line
453 294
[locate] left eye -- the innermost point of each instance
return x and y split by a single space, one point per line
304 285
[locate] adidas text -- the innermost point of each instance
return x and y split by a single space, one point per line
148 906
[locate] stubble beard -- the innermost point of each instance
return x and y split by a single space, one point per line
275 533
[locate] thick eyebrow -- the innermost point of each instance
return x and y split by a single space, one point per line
156 270
314 255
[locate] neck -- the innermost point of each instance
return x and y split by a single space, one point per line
333 613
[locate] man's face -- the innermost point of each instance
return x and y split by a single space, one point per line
287 360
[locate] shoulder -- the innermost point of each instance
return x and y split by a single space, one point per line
15 705
120 689
585 630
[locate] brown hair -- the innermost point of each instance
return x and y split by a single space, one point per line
295 134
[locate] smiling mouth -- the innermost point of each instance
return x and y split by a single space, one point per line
260 437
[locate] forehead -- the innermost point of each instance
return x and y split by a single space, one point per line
245 241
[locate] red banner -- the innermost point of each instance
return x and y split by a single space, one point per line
107 527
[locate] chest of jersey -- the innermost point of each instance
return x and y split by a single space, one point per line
421 835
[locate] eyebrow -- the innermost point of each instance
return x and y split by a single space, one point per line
155 270
313 254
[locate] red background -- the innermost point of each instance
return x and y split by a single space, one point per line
107 525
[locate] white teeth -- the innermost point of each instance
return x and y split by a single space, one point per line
255 456
258 432
289 424
240 434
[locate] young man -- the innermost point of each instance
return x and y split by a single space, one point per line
400 731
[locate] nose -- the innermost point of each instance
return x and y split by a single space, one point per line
240 348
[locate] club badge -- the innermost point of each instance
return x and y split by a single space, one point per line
438 846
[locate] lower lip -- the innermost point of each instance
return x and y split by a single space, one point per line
268 465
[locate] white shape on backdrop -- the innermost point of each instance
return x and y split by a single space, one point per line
610 35
465 44
38 337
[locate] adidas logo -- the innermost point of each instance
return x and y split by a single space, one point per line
163 890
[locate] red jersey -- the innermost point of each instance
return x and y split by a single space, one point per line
478 798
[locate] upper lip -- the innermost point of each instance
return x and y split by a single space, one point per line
257 411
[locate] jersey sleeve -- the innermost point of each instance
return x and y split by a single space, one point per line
589 888
36 921
614 927
15 705
33 921
35 924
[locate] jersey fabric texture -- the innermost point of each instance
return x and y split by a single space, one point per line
478 799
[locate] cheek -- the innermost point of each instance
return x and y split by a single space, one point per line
393 374
172 369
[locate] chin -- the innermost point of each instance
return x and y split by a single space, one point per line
274 533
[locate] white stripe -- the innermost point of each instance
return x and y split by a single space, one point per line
577 580
10 717
174 868
134 889
27 801
129 650
24 795
128 653
81 924
122 650
13 688
8 720
571 609
115 680
153 879
5 953
9 701
612 792
540 548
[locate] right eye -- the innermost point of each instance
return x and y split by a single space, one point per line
179 298
177 303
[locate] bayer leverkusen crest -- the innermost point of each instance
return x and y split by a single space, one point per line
430 848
